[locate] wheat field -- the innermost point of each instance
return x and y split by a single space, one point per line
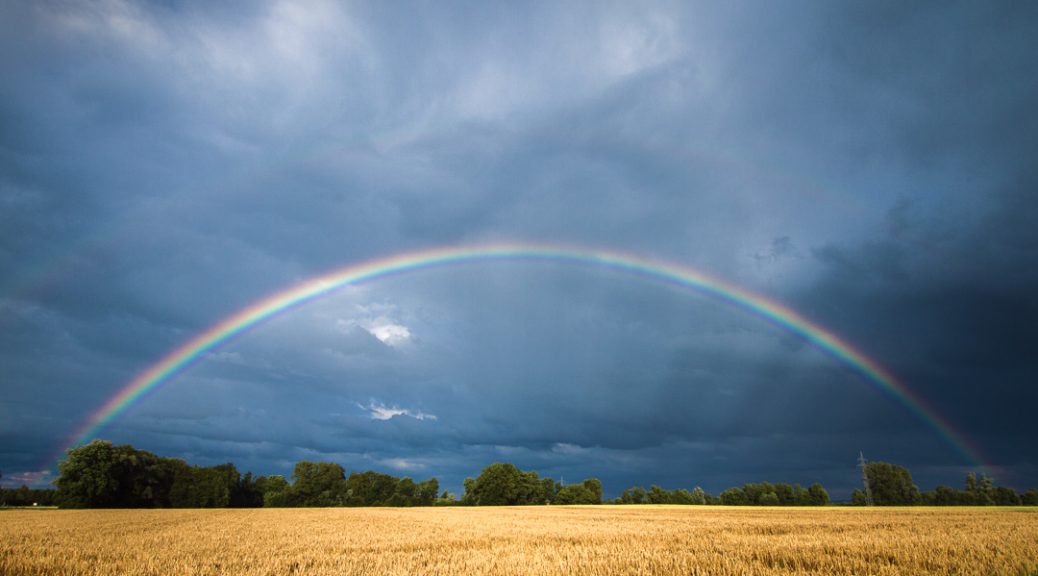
532 540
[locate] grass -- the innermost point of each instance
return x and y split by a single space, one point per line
532 540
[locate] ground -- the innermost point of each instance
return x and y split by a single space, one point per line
523 540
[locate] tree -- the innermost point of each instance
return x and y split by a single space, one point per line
318 484
468 496
594 487
658 495
980 492
549 488
946 496
534 489
800 497
891 485
426 492
86 477
786 494
858 498
1004 496
205 487
1030 498
275 490
498 485
681 496
405 493
583 493
698 496
817 495
769 499
734 497
370 488
247 494
752 492
635 495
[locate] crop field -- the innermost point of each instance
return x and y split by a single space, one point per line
533 540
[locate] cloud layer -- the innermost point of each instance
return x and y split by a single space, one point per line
163 165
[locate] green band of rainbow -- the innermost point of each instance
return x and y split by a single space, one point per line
179 359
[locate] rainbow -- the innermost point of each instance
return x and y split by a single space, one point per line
682 276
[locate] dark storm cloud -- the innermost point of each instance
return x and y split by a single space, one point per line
163 165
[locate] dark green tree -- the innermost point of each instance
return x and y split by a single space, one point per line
658 495
498 485
682 496
533 489
817 495
276 491
734 497
426 492
891 485
947 496
786 494
1004 496
406 493
635 495
87 477
468 495
247 494
594 486
205 487
768 499
318 484
549 488
371 488
582 493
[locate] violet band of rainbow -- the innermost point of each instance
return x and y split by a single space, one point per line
247 318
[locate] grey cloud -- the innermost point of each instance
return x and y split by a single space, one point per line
164 165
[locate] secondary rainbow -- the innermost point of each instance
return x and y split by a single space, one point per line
196 348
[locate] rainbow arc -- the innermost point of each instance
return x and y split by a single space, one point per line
180 359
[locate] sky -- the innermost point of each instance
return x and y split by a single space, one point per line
164 165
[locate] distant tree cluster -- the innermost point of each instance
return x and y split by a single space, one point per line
326 484
657 495
979 492
768 494
100 475
26 496
892 485
502 484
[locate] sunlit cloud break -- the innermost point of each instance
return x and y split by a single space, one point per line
379 411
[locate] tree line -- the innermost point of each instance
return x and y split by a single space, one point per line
102 475
892 485
26 496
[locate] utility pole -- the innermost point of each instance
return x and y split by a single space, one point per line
865 478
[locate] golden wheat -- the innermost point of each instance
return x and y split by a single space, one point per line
533 540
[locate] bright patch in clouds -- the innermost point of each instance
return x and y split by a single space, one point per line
389 333
402 464
379 321
567 448
379 411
